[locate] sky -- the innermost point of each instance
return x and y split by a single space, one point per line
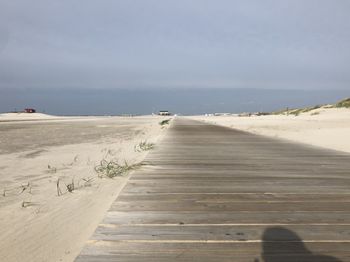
174 44
190 56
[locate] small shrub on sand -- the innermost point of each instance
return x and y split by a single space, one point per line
164 122
112 168
143 146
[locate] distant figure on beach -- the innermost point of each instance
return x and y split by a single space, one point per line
276 248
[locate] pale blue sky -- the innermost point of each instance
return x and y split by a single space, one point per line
280 44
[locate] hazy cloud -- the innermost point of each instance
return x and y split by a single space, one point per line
138 43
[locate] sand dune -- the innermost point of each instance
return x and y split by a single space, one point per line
25 116
35 223
323 127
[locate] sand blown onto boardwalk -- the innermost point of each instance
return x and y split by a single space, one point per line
35 223
324 127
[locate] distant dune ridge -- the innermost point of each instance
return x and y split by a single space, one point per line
325 126
345 103
25 116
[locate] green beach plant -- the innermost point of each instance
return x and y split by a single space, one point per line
113 169
296 111
343 103
164 122
143 146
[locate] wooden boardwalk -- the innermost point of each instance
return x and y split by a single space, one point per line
209 193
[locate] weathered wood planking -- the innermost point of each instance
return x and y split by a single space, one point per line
210 193
222 252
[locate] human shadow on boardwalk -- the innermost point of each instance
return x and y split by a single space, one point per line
283 245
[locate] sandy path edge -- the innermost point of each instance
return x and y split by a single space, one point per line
53 228
326 128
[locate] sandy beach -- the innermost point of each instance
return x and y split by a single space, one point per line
39 152
37 224
322 127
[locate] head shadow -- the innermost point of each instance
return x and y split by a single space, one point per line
280 244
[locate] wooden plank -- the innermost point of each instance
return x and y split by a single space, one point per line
222 175
238 197
110 232
188 205
234 188
241 252
226 217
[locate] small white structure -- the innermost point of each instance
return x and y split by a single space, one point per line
164 113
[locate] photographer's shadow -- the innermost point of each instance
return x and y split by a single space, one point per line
283 245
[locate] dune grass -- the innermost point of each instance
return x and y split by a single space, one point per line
113 169
296 111
343 103
164 122
143 146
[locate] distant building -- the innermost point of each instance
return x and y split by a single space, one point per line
29 110
164 113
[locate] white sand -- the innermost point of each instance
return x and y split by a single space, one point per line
328 128
26 116
55 228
